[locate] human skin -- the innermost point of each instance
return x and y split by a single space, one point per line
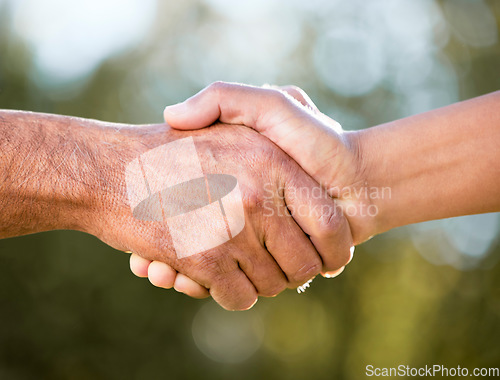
452 150
438 164
59 172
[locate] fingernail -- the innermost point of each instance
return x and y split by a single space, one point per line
334 273
176 109
177 289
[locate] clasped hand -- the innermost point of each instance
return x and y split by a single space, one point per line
307 233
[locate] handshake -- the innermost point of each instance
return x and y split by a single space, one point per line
246 191
291 177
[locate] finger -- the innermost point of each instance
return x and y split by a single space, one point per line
259 266
304 136
139 265
333 273
235 292
298 94
321 218
161 275
184 284
164 276
292 249
219 272
230 103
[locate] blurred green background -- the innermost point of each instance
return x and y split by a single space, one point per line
419 295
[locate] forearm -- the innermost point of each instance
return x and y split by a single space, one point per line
50 172
439 164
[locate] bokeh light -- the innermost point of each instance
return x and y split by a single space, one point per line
227 337
70 39
472 22
350 61
461 242
295 326
422 294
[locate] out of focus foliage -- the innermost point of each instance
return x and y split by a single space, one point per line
419 295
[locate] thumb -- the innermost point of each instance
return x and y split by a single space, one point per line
230 103
199 111
299 131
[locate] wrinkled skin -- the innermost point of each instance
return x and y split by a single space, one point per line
274 251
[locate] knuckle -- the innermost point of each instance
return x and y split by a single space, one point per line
233 291
295 91
327 223
306 272
217 267
218 87
210 268
217 84
255 202
296 88
274 290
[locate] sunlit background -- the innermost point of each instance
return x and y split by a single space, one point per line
422 294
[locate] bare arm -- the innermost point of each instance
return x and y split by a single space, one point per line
435 165
48 174
59 172
438 164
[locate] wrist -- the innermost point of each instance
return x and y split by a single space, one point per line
105 150
424 159
364 203
75 172
395 171
114 147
